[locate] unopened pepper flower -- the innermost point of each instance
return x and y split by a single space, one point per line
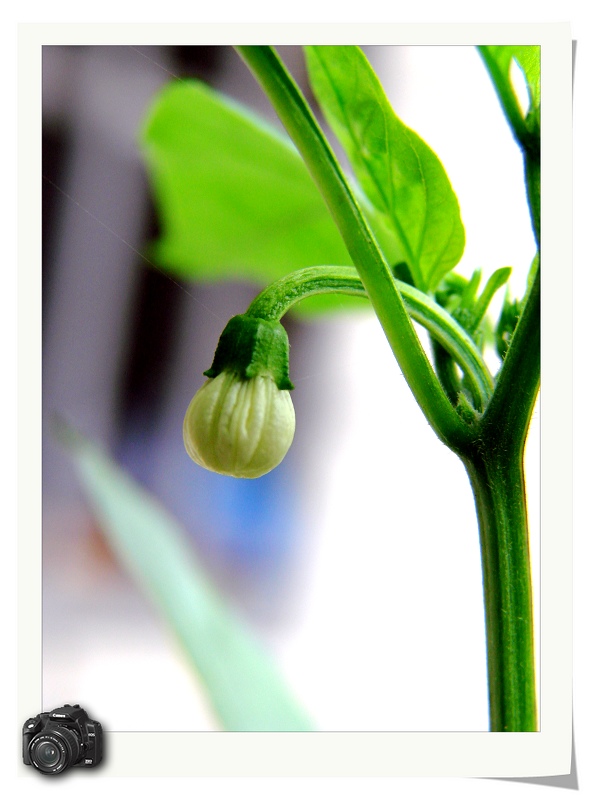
241 422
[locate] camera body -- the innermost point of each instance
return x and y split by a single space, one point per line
65 737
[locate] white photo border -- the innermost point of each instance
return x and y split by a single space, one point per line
547 752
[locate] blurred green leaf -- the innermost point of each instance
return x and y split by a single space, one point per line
234 198
244 687
397 171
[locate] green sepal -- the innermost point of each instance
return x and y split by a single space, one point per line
250 346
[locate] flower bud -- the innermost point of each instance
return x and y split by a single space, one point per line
241 422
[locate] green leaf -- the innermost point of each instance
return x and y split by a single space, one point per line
234 197
244 687
497 279
400 175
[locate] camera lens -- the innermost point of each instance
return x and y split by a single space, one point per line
47 754
53 752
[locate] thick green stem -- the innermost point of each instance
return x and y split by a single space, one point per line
496 472
495 467
499 491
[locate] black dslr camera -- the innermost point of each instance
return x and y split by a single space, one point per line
65 737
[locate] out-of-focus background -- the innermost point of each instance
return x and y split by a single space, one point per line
357 560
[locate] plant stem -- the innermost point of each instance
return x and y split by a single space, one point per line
496 472
532 179
495 467
506 419
499 491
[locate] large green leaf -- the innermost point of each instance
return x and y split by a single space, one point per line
234 197
398 172
245 689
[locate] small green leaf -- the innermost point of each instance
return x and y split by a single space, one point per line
234 197
400 175
497 279
243 685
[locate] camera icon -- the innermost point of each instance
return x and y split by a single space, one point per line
65 737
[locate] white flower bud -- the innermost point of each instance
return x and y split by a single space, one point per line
240 427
